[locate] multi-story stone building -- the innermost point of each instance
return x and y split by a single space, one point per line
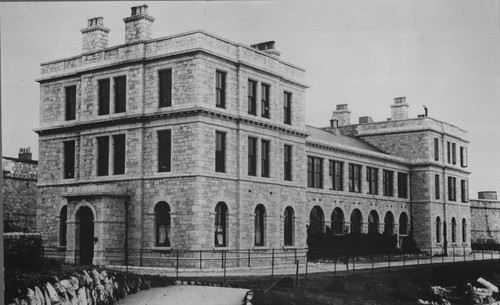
194 142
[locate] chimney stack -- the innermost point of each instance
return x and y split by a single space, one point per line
342 115
24 154
399 109
365 120
267 47
139 26
95 35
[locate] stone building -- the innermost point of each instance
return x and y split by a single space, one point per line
19 192
193 142
485 218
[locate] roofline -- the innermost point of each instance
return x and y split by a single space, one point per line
20 160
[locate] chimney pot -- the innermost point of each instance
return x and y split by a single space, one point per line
24 154
139 26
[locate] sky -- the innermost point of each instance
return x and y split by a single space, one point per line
442 54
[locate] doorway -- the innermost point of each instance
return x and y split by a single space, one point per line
85 232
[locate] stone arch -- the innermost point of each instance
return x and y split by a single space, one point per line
356 221
389 223
316 220
373 222
337 220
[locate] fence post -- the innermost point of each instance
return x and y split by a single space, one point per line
335 268
373 270
418 259
295 250
272 267
201 260
453 253
248 258
307 263
177 265
404 261
224 263
482 250
353 265
296 273
222 259
491 251
464 252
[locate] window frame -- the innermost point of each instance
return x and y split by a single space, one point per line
452 188
220 88
372 180
63 226
287 107
437 187
164 150
388 183
403 187
336 174
463 156
166 220
355 178
289 227
70 102
288 162
164 88
103 155
120 91
220 151
252 97
252 156
265 158
69 167
103 96
436 149
265 94
314 172
220 224
260 226
119 154
464 188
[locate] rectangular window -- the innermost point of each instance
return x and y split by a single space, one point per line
388 181
119 154
437 187
70 93
264 90
372 179
164 150
454 153
314 172
452 189
287 108
102 156
252 156
220 89
436 149
252 97
264 155
103 88
354 178
120 94
165 86
402 185
288 162
448 151
335 174
220 152
464 190
69 159
463 156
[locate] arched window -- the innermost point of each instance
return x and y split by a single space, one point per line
403 224
220 224
373 222
289 226
63 217
356 221
438 229
337 221
260 214
162 223
389 224
316 220
453 230
464 231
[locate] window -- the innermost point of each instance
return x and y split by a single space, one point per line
165 87
70 93
463 157
464 186
287 108
63 218
373 222
103 92
316 220
102 156
437 187
354 178
388 181
289 226
356 222
314 172
220 224
452 189
119 154
403 224
162 224
438 230
372 179
453 230
264 155
335 174
252 97
388 224
402 185
164 150
252 156
464 231
448 151
69 159
220 152
337 221
220 89
264 90
260 215
120 94
454 153
436 149
288 162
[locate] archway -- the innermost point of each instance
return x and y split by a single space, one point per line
85 234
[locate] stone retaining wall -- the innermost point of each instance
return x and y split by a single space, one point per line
22 244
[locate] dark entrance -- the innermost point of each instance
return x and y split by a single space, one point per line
86 235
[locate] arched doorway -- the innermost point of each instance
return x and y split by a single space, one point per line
85 234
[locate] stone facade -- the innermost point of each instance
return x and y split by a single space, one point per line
126 225
485 219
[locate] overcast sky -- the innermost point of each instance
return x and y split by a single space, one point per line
442 54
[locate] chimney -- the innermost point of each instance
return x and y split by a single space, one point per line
24 154
267 47
399 109
365 120
95 35
139 26
342 115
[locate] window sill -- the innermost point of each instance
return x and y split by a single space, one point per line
154 248
287 248
260 248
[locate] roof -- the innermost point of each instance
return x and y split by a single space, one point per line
323 136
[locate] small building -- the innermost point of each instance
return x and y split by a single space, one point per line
485 218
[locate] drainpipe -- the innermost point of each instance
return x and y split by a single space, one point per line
126 233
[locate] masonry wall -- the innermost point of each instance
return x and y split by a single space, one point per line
485 221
